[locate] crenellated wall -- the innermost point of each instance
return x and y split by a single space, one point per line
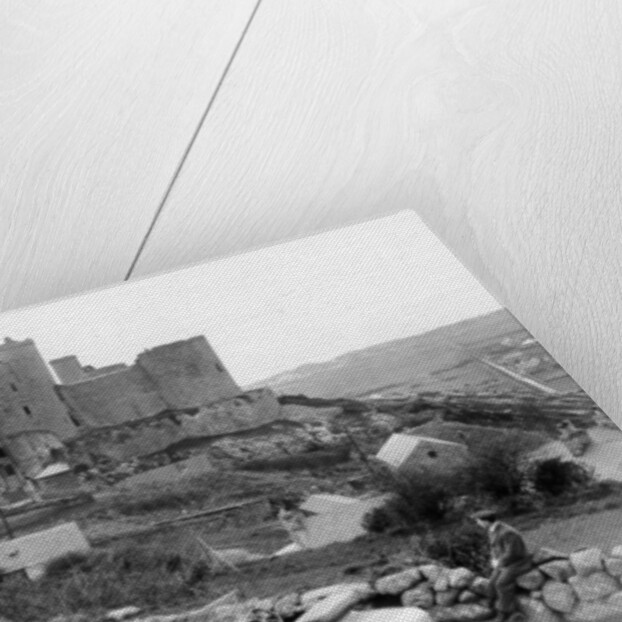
184 374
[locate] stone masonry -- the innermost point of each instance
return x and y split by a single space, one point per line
584 586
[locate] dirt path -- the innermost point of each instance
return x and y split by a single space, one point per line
602 529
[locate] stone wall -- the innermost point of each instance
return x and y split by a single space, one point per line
127 441
179 375
188 373
112 399
581 587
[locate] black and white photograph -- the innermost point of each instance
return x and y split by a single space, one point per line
310 311
342 424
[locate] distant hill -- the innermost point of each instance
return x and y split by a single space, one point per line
444 359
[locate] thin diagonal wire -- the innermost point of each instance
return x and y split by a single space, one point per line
190 144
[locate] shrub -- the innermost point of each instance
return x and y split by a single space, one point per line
498 467
555 477
416 499
464 545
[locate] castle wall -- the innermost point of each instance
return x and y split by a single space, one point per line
68 369
131 440
28 401
188 373
112 399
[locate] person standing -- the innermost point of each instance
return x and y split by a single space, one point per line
510 558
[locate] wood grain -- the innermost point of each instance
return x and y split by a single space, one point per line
97 103
498 121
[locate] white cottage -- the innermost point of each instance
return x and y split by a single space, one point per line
406 452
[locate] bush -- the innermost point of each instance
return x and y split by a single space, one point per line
417 499
464 545
555 477
498 468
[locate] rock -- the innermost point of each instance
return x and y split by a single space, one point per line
480 586
613 565
532 580
587 561
594 587
441 584
312 596
559 596
447 598
616 551
389 614
336 604
399 582
594 612
432 571
466 597
123 613
463 613
288 606
461 578
421 596
615 600
544 555
560 570
537 611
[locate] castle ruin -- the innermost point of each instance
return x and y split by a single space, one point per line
39 417
183 374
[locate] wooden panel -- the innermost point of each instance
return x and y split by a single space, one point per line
499 121
98 101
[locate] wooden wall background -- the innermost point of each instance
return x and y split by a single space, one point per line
499 121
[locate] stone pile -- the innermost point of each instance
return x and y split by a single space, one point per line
584 586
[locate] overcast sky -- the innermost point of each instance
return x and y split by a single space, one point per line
273 309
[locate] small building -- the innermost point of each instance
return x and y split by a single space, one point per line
56 480
405 452
33 552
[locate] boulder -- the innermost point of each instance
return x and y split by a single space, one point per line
480 586
442 583
447 598
389 614
461 578
466 597
288 606
544 555
421 596
587 561
615 600
432 571
399 582
532 580
462 613
616 551
312 596
594 587
613 565
537 611
560 570
594 612
336 604
559 596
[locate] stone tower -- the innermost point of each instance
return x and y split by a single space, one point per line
188 373
28 401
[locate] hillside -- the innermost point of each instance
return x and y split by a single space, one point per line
444 359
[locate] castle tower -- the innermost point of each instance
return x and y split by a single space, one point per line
28 401
188 373
68 369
